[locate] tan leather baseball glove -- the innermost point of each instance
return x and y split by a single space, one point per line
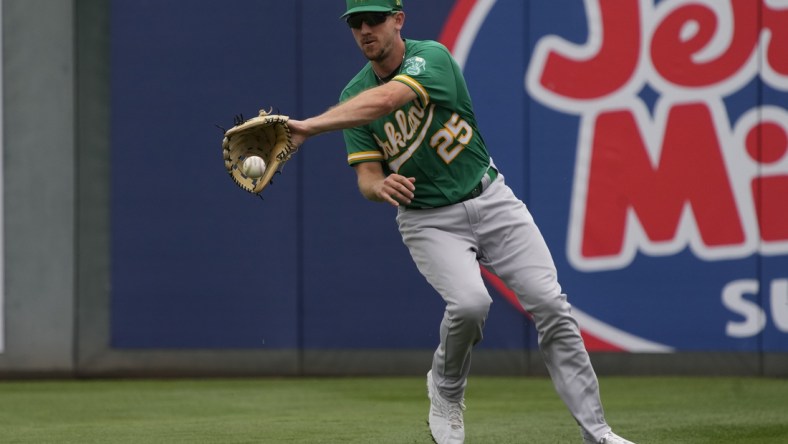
265 137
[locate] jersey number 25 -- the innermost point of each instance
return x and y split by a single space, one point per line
455 130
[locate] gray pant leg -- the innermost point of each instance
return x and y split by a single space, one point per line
444 251
569 365
514 249
451 362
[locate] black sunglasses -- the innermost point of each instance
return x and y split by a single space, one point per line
370 18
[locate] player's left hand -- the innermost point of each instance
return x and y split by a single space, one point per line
299 132
396 189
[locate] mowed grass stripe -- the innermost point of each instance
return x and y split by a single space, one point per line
382 410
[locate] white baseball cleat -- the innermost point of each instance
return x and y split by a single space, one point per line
609 438
445 417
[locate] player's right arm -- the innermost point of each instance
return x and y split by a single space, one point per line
362 109
376 186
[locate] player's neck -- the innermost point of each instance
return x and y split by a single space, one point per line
386 69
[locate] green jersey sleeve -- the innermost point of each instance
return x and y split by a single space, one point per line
360 146
431 72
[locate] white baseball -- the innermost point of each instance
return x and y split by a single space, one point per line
253 167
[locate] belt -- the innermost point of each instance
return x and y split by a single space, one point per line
477 191
487 179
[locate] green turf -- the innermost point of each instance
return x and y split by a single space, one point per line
383 410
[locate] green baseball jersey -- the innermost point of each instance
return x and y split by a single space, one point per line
434 138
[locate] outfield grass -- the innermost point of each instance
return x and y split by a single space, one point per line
383 410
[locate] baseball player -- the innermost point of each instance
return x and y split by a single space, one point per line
413 140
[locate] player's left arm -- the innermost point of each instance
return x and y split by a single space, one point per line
376 186
362 109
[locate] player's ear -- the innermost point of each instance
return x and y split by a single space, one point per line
399 20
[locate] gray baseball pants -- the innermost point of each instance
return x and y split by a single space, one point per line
497 231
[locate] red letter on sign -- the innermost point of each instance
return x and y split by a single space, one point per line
767 143
672 52
776 20
690 171
610 68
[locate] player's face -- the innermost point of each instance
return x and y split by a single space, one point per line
376 33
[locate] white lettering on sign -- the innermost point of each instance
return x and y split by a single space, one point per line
740 297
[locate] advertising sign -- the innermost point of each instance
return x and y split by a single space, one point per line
655 146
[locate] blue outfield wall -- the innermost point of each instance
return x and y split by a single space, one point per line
649 140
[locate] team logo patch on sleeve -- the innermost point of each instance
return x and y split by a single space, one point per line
414 66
